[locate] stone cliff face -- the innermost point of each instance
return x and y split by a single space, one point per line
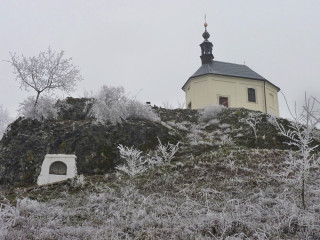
24 146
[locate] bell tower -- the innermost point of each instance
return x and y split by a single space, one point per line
206 47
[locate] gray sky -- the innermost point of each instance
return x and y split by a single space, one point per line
152 47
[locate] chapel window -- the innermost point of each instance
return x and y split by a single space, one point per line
224 101
251 95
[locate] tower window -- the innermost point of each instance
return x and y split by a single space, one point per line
251 95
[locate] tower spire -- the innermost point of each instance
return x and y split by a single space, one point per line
206 46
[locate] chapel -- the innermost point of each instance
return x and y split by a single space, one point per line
228 84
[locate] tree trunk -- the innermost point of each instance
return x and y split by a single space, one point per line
302 194
37 98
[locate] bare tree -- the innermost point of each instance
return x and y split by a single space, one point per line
47 71
300 134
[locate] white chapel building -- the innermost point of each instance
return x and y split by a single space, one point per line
229 84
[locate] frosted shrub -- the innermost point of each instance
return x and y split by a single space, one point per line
45 108
28 205
134 163
210 112
4 120
8 216
112 106
196 135
253 119
138 110
78 181
165 153
226 140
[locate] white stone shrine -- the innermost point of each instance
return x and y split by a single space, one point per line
57 167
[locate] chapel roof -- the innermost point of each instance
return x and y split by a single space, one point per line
227 69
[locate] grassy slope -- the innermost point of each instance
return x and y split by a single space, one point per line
218 187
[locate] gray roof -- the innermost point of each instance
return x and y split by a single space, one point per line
228 69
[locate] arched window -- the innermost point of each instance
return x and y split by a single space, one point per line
58 168
251 95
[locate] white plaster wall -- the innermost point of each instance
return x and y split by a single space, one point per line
205 90
272 104
69 160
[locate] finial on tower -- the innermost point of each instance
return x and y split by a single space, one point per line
205 35
205 22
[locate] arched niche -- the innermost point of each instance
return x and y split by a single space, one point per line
58 168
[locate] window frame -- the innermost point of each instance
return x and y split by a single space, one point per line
227 103
61 169
252 96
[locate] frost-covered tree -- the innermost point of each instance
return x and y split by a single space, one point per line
300 134
45 109
46 72
4 120
111 105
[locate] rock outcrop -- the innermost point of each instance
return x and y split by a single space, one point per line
24 146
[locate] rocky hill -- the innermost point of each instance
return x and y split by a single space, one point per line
224 183
27 141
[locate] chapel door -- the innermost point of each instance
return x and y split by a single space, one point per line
223 101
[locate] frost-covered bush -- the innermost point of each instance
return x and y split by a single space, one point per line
78 181
45 109
137 110
4 120
8 216
165 153
196 135
210 112
111 105
253 119
134 162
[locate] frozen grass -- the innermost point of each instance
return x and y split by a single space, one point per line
213 190
216 195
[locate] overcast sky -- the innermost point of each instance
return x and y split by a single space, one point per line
151 48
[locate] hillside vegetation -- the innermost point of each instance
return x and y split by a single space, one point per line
223 182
